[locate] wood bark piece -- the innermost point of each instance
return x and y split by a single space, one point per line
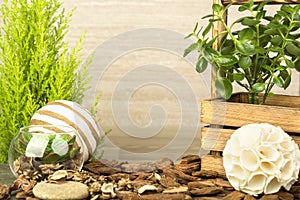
190 159
171 184
206 191
285 195
201 184
213 163
160 196
181 189
249 197
168 181
223 183
270 197
295 190
205 174
236 195
98 167
179 175
138 167
188 168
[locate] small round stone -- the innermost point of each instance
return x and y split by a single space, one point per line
63 191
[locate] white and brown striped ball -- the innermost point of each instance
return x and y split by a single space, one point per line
63 112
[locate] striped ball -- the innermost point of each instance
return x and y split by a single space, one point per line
63 112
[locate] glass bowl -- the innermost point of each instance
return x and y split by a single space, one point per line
44 149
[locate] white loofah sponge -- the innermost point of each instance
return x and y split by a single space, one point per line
260 158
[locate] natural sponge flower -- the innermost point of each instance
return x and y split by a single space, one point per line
260 158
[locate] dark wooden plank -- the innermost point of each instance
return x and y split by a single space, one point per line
6 177
226 2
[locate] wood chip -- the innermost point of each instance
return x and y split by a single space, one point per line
206 191
201 184
176 190
189 159
206 173
270 197
236 195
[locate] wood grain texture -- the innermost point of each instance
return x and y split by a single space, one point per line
213 163
238 114
215 139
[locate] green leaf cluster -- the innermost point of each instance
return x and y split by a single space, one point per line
49 156
257 51
36 64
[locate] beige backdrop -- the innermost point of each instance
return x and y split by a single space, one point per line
108 22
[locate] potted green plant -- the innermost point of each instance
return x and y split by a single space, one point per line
36 63
258 55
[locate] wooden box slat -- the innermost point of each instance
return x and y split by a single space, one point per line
215 139
285 113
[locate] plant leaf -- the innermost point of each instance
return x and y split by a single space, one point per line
201 65
217 8
289 63
245 62
196 27
297 65
276 40
207 29
226 60
238 76
243 7
258 87
191 48
247 21
246 34
278 81
267 67
224 87
286 77
245 48
293 49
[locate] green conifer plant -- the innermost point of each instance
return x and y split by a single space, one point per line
36 63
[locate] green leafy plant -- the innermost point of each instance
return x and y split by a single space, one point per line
49 155
36 64
257 56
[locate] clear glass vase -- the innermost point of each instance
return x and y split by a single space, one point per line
41 149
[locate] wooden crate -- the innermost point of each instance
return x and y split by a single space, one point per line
223 117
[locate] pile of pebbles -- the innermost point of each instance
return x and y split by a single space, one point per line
133 181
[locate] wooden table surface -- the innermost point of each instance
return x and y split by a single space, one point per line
6 177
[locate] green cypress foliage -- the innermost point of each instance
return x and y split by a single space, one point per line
36 64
